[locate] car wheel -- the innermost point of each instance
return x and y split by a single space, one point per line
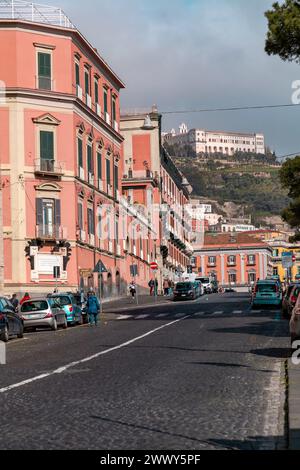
65 325
54 326
21 334
5 335
80 322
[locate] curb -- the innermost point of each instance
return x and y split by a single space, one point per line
293 406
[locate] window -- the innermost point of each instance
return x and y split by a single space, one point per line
232 278
251 259
80 216
108 172
91 222
87 82
114 112
99 165
251 278
77 74
44 71
232 260
275 271
116 182
96 91
47 150
48 216
105 100
99 227
80 153
90 159
212 260
275 253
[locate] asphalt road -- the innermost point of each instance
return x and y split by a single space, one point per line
195 375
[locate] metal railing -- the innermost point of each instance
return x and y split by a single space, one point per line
49 166
51 232
34 12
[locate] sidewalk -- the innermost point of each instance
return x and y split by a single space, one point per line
126 303
294 406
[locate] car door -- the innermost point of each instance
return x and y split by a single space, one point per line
4 307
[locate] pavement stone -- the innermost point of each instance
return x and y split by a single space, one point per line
294 406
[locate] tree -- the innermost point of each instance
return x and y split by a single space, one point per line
290 179
283 38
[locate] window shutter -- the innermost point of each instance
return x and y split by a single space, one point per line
77 74
105 100
108 171
46 145
99 164
57 213
80 216
39 211
80 160
44 64
116 178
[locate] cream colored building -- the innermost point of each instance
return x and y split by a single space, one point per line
227 143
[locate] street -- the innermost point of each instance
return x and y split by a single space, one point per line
207 374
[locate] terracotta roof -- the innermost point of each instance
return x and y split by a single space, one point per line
232 239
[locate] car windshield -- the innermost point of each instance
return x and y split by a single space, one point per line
203 280
34 306
266 287
184 285
62 301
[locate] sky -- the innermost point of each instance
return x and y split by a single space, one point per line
191 54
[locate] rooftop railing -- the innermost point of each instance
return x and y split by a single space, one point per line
34 12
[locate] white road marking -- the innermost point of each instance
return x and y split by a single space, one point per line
198 314
90 358
142 317
237 311
124 317
179 315
217 313
162 315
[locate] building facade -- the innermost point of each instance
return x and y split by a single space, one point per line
235 260
61 156
280 247
207 142
152 181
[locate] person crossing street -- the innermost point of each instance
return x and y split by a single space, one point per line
93 308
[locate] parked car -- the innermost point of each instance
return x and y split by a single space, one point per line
10 322
69 304
267 293
289 299
43 313
295 322
206 283
187 291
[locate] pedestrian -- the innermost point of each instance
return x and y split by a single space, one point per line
132 289
166 287
151 285
25 298
93 308
171 287
156 287
14 301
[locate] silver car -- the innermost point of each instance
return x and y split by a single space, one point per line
39 313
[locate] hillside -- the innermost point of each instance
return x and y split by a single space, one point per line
253 185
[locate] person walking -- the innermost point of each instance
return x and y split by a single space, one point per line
93 308
166 287
151 285
25 298
132 289
14 301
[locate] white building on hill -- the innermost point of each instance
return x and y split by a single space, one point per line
227 143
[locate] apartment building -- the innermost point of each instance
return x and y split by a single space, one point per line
60 154
152 181
234 259
224 142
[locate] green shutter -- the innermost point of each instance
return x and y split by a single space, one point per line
105 99
80 160
116 178
99 165
44 61
87 83
108 171
89 159
77 74
46 145
96 92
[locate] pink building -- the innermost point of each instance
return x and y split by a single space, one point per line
61 156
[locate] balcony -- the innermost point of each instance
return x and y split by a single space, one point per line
91 179
118 250
146 175
51 232
107 118
49 167
116 126
89 101
79 92
98 109
81 173
82 236
100 185
91 239
231 264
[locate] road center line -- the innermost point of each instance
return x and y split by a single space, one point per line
88 359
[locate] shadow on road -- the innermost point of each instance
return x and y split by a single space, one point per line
278 353
263 328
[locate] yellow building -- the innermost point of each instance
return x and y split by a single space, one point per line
280 247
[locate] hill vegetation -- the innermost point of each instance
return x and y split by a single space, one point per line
249 180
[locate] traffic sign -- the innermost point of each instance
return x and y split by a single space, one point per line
154 266
100 268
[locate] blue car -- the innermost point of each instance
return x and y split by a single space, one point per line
10 322
68 303
266 293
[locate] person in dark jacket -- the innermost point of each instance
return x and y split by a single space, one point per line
93 308
14 301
